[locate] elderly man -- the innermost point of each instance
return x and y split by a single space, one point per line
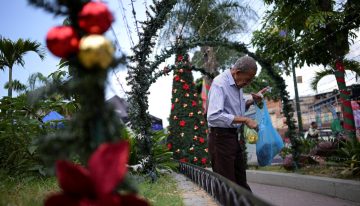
226 115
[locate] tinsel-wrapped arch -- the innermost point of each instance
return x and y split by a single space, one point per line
188 44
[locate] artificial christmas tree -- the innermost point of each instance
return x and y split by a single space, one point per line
187 138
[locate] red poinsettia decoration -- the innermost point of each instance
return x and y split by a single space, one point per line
95 185
182 123
186 87
193 103
183 160
180 58
177 78
201 140
95 18
169 146
203 160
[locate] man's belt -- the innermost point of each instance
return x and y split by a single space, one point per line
221 129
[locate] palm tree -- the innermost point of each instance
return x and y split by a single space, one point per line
353 66
212 19
12 53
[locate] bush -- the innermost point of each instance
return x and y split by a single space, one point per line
18 129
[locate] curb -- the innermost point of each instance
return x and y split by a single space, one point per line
344 189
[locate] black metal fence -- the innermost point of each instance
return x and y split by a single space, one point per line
226 192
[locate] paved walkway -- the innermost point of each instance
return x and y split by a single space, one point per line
192 194
278 196
282 196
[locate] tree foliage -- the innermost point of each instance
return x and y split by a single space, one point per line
12 53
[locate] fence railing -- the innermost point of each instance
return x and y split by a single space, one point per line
226 192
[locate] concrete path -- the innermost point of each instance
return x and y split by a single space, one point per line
282 196
192 194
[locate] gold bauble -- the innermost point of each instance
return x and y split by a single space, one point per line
95 51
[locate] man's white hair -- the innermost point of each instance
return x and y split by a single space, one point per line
245 64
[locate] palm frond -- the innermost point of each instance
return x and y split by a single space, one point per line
16 86
318 76
350 65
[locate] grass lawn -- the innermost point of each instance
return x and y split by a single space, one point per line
33 191
163 193
25 191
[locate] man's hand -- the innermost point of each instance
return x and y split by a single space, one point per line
259 96
251 123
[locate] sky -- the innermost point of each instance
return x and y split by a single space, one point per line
20 20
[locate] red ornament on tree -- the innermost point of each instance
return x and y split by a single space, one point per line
177 78
202 122
195 159
186 87
180 58
169 146
201 140
196 127
195 138
62 41
182 123
95 18
191 114
203 161
193 103
172 106
183 160
181 70
206 150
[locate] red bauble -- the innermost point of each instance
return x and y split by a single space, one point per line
172 107
95 18
62 41
195 159
182 123
201 140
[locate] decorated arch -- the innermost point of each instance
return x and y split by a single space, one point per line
145 72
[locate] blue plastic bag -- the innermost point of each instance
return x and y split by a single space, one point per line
269 141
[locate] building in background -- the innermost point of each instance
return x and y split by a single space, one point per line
121 107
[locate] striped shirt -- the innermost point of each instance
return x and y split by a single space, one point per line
226 101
